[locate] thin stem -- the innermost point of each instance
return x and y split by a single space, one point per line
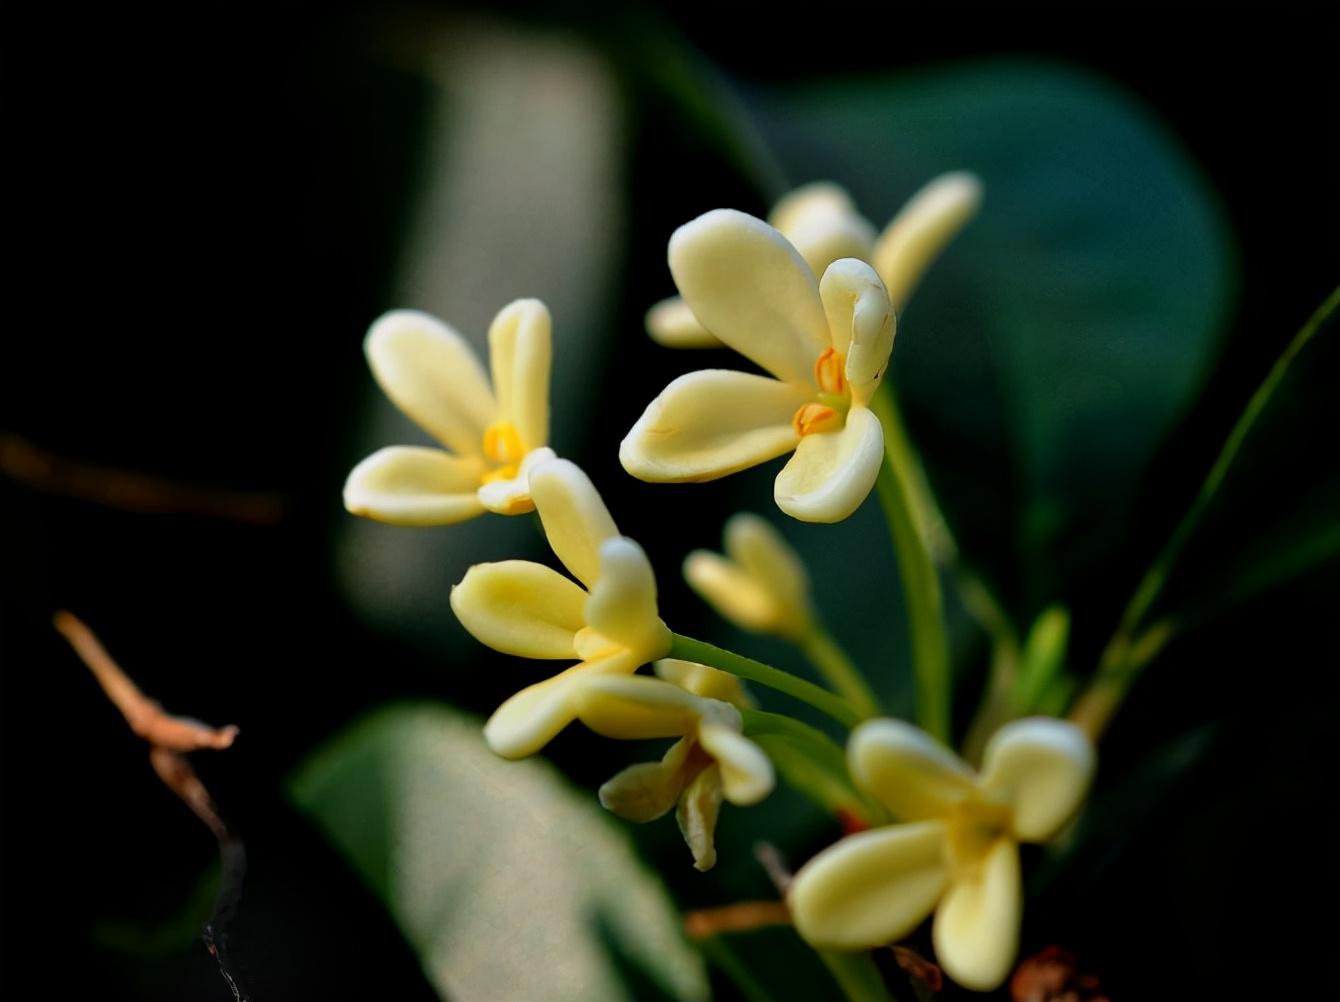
703 653
857 976
838 670
921 584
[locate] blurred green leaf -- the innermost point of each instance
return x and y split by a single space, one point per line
506 881
1063 334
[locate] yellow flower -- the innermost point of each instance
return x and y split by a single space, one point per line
959 854
494 437
827 344
822 223
759 584
608 623
712 760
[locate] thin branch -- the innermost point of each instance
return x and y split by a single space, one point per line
743 916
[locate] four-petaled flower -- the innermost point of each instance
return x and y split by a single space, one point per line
959 853
496 436
711 761
827 344
608 623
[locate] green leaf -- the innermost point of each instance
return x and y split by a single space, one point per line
506 881
1061 336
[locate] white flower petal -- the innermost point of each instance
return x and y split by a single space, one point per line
648 790
520 354
671 323
914 775
520 608
926 224
976 929
761 550
707 424
861 322
746 773
622 604
747 285
736 595
431 373
532 718
832 472
512 497
818 200
697 816
710 683
872 888
1042 768
412 485
636 707
575 519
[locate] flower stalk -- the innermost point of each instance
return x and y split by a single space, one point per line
838 670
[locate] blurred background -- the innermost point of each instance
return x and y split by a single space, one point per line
205 211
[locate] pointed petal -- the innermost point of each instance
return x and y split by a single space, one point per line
520 608
520 353
872 888
910 772
976 930
832 472
512 497
861 321
671 323
575 519
622 605
757 546
747 285
710 683
724 586
697 816
431 373
1042 768
635 707
916 236
711 423
412 485
648 790
746 773
532 718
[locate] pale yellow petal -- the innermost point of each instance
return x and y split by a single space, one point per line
832 472
861 322
821 242
671 323
575 519
747 285
816 200
976 929
635 707
710 683
412 485
914 775
512 497
699 807
648 790
726 587
916 236
432 374
528 721
872 888
520 354
756 545
622 604
708 424
1042 768
520 608
746 773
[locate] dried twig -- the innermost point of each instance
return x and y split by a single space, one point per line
740 917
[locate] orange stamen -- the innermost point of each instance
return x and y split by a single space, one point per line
813 418
829 374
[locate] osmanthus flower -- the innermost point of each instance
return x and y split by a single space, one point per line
958 853
493 436
712 761
826 345
759 583
608 622
822 223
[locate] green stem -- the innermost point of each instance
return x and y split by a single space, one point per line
857 976
703 653
838 670
921 584
716 950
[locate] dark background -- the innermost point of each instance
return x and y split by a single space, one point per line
202 209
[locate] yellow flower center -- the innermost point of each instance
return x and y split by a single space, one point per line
974 827
502 445
829 412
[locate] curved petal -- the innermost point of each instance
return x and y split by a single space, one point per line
648 790
821 242
532 718
520 354
861 321
872 888
622 604
976 930
635 707
1042 768
697 816
711 423
576 521
431 373
512 497
412 485
816 200
757 546
746 773
671 323
747 285
909 771
520 608
710 683
736 595
832 472
926 224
